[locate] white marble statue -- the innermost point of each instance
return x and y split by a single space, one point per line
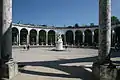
59 43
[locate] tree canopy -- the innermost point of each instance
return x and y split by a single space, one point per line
115 20
76 25
91 24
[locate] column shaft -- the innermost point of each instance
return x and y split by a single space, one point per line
74 38
104 28
83 38
8 68
37 38
92 37
6 35
1 9
104 69
19 38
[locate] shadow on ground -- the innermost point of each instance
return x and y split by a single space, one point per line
73 71
79 72
115 54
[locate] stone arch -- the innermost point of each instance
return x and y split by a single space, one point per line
33 37
78 37
69 37
23 36
42 37
15 34
51 37
96 35
117 34
88 37
63 38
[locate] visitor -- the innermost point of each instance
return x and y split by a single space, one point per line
28 47
24 47
66 46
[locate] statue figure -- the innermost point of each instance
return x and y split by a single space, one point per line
59 43
59 38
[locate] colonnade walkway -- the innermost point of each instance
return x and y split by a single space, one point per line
44 64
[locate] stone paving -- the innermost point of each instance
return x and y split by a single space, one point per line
44 64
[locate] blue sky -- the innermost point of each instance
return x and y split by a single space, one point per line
59 12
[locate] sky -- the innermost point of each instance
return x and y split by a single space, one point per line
59 12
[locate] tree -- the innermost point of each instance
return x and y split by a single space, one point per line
91 24
69 26
76 25
115 20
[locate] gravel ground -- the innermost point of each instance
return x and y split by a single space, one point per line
44 64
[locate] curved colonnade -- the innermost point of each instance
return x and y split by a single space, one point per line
38 35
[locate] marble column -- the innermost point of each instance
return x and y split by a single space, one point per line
103 68
46 38
1 6
83 38
104 29
28 38
92 37
6 31
19 38
37 38
8 68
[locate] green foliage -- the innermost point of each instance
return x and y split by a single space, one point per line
91 24
115 20
69 26
76 25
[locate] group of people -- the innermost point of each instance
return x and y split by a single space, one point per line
26 47
117 46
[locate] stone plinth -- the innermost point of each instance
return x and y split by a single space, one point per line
9 70
105 72
59 46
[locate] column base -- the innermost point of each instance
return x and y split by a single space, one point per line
8 70
37 44
105 72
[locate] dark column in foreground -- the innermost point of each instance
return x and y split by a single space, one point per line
1 8
6 39
103 68
104 29
8 68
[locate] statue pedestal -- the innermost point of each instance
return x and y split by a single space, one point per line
59 46
9 70
105 72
